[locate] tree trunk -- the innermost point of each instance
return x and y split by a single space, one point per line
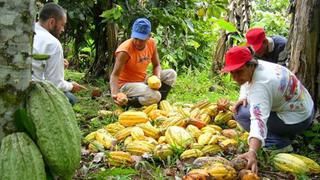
303 44
239 15
105 45
16 33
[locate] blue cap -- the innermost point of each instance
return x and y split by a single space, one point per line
141 29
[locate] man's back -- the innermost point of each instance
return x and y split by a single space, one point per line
278 44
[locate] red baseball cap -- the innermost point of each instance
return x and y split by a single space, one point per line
236 57
255 38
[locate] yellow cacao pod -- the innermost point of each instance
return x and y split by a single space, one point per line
165 105
150 108
103 137
174 122
122 134
288 163
211 149
246 174
90 137
137 133
154 114
312 165
205 118
194 131
178 137
204 138
162 140
183 112
216 127
211 110
128 140
95 146
222 172
229 133
149 130
191 153
131 118
154 82
140 147
162 151
196 146
196 174
209 129
120 158
201 105
229 145
232 123
223 117
113 128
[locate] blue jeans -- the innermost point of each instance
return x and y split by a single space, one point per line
71 97
279 134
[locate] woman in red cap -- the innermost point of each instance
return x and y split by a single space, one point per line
273 104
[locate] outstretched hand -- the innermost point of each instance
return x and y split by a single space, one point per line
242 102
120 101
251 158
77 87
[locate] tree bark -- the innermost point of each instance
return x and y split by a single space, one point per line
105 45
303 44
239 15
16 33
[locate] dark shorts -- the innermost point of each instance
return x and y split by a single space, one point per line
279 134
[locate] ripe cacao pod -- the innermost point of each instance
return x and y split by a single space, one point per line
120 158
154 82
131 118
223 117
178 137
312 165
289 163
191 153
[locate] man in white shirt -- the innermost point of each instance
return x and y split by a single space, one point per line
52 19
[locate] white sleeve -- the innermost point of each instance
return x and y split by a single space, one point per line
260 106
243 91
54 70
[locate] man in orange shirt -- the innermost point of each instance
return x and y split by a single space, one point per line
130 70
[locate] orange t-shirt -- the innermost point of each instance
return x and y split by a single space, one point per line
135 69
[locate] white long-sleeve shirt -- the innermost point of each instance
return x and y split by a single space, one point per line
53 68
275 88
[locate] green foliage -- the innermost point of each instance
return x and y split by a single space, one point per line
271 15
114 173
194 86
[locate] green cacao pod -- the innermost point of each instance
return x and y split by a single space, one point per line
56 131
20 158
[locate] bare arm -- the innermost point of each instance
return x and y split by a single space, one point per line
251 155
121 60
156 63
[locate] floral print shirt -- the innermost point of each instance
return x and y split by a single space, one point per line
275 88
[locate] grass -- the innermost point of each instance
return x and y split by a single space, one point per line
191 87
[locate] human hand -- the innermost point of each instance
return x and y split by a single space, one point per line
77 87
242 102
66 63
252 162
120 99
